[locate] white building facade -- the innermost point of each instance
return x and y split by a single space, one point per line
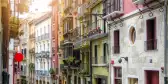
43 49
137 47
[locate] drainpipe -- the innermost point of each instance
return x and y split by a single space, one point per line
90 62
165 44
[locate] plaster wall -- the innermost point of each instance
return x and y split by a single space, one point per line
139 59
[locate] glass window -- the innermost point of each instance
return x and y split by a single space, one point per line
118 75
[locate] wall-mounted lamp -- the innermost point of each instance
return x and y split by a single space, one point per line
120 60
162 69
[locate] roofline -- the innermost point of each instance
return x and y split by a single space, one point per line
42 18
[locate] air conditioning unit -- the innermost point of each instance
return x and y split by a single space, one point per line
141 1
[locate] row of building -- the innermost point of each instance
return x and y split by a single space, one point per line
96 42
109 41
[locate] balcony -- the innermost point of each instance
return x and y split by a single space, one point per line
42 73
45 54
32 50
53 34
116 49
53 51
38 55
72 63
38 38
113 9
45 36
95 31
32 36
150 44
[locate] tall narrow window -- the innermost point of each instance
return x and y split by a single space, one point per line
117 75
151 43
116 47
104 52
95 52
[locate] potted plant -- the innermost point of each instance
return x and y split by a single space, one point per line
52 72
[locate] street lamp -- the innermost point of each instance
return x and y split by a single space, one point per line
120 60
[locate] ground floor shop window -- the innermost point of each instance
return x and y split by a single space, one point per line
151 77
132 80
117 75
101 80
79 80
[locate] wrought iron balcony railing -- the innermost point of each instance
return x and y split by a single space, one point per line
44 54
42 73
32 50
151 44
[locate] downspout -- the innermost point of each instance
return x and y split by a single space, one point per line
165 44
90 57
90 62
109 52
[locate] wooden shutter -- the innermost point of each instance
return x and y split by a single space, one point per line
95 54
151 29
116 38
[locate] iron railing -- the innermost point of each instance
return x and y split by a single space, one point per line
151 44
42 73
45 54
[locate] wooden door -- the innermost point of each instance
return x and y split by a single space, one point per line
152 77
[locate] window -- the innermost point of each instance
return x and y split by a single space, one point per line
44 47
105 53
79 80
132 80
95 53
48 46
117 75
111 6
151 43
116 48
132 34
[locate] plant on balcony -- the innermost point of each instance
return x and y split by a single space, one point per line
52 71
14 27
23 80
70 59
31 67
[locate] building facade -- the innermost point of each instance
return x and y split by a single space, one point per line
43 49
111 42
136 41
31 51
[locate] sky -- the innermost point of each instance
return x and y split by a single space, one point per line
38 6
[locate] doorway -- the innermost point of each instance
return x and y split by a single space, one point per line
100 81
152 77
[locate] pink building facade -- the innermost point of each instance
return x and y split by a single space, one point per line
136 41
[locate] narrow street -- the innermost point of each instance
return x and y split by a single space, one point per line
83 42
